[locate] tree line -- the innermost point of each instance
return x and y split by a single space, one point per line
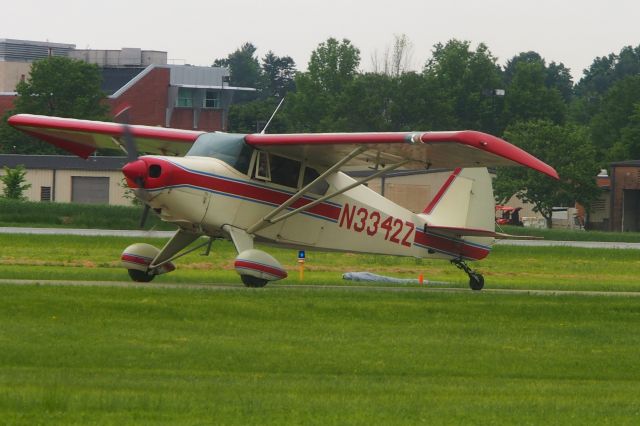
575 127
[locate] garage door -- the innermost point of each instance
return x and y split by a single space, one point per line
90 189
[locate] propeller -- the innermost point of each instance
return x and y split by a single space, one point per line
132 159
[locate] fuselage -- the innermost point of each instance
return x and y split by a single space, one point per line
204 194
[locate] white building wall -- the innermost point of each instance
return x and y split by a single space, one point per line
62 191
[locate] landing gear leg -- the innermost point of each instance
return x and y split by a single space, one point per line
476 280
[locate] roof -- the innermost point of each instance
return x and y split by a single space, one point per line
62 162
12 50
113 79
632 163
188 76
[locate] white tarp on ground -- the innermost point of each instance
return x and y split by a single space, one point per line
368 276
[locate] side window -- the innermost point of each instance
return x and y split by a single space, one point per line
310 175
280 170
262 166
285 171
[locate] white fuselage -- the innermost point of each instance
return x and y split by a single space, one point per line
205 194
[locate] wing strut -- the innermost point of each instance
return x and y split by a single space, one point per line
268 221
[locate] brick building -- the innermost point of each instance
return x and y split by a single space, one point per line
625 196
180 96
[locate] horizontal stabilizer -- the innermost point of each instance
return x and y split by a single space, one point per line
470 232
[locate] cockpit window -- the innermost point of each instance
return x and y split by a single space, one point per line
227 147
276 169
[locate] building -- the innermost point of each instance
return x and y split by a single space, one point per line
624 210
158 94
178 96
16 57
62 178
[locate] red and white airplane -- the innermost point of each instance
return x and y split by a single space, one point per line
288 189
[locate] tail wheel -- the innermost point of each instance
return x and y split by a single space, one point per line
476 281
140 276
250 281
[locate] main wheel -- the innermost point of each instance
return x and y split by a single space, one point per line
140 276
250 281
476 281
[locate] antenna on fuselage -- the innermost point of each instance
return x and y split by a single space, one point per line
264 129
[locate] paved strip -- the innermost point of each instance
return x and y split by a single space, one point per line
87 232
273 287
583 244
169 234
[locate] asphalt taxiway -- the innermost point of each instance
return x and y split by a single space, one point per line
344 287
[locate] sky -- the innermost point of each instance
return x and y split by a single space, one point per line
573 32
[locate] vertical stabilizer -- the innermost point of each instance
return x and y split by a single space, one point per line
464 201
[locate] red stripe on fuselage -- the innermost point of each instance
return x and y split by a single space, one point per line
451 246
178 176
175 175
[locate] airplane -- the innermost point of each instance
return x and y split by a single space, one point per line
290 190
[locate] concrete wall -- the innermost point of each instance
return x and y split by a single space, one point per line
125 57
11 73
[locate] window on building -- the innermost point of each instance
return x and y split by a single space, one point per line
45 193
211 99
185 97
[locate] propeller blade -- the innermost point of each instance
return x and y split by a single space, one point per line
127 134
145 215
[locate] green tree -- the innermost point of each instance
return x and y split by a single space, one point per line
568 149
313 107
528 97
334 64
364 104
460 82
603 73
243 66
63 87
14 181
278 74
251 117
57 86
615 126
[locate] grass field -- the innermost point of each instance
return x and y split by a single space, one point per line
279 355
296 356
78 258
74 215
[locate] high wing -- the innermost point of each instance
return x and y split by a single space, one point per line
415 150
83 137
424 150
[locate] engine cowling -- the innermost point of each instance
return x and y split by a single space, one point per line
139 256
259 264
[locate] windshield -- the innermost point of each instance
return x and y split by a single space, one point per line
227 147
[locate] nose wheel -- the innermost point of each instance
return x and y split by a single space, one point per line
476 280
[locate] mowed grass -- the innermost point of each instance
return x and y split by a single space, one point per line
43 257
315 356
75 215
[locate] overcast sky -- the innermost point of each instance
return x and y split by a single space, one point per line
197 32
